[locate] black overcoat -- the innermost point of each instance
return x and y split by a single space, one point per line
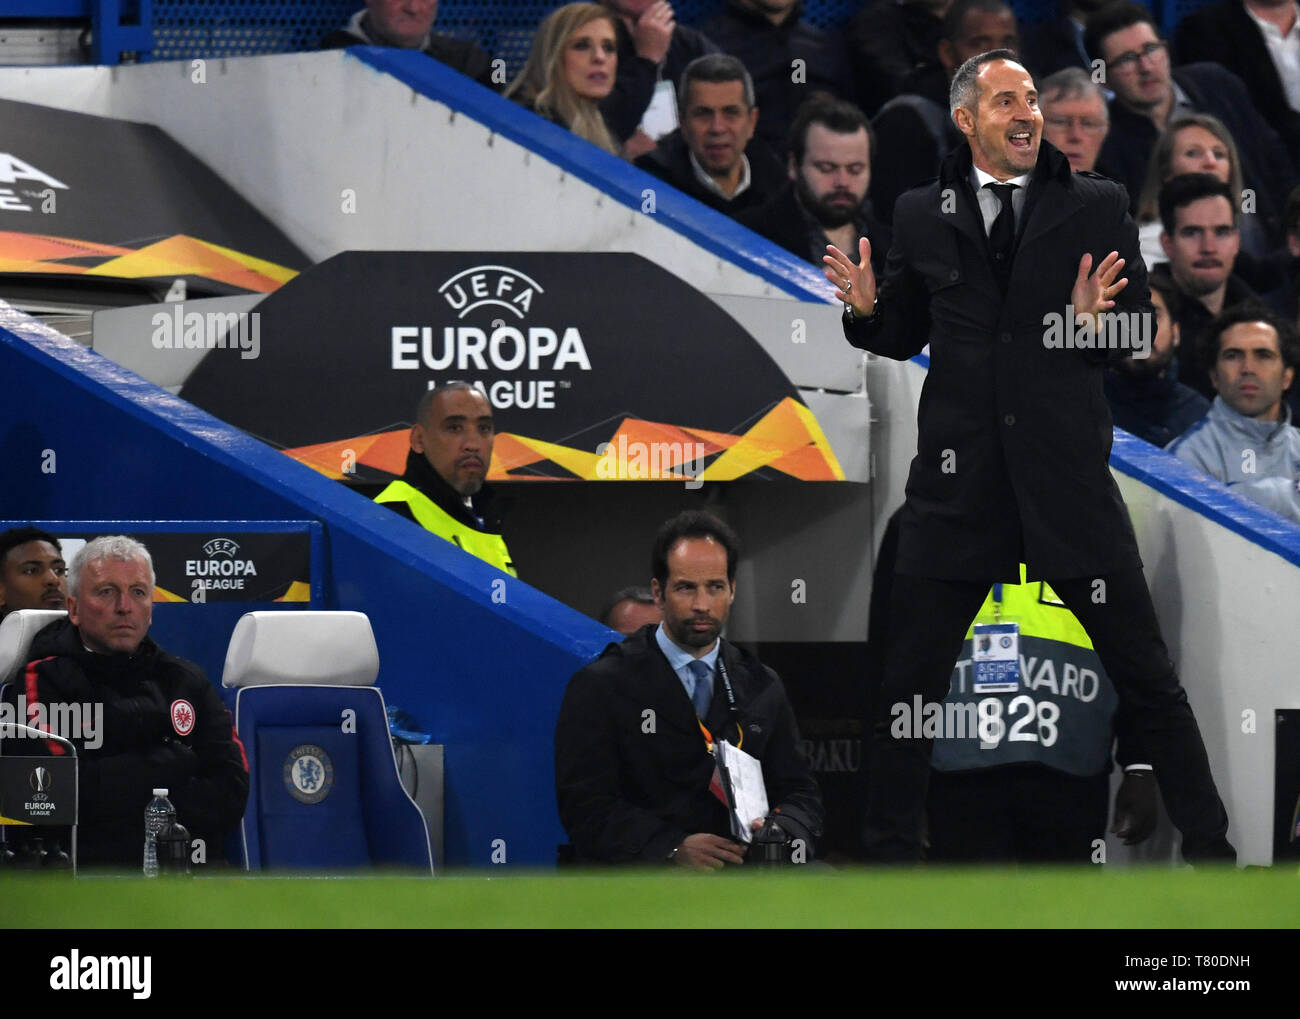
631 768
1014 435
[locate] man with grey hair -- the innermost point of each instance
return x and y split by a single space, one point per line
713 156
160 723
1013 439
1075 116
443 489
629 609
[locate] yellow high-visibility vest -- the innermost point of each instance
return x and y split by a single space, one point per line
491 548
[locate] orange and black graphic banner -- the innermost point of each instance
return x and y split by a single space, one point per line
597 366
96 197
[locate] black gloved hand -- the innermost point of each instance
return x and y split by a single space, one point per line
1135 807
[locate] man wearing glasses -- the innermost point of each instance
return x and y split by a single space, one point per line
1075 118
1135 62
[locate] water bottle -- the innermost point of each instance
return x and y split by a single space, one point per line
157 816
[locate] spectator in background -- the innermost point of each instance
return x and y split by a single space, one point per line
1148 95
1192 143
443 488
407 25
788 59
1259 42
570 70
652 48
1144 394
969 27
826 201
1075 117
713 157
630 609
915 130
1247 440
1200 239
888 40
32 572
1057 44
1285 298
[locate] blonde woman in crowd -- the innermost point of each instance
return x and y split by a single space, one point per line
570 69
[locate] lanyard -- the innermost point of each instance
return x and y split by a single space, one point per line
733 713
997 603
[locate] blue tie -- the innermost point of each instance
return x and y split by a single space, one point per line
703 694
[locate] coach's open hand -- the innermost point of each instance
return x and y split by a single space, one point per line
855 285
1095 293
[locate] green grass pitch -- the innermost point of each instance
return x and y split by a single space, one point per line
923 898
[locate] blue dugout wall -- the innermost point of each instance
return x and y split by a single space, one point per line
482 667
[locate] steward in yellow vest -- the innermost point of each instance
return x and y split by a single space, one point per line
1022 746
443 488
414 504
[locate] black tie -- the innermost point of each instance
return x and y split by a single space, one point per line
1002 238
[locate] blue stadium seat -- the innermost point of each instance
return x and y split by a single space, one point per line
324 792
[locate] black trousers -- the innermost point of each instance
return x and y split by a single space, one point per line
928 622
1018 813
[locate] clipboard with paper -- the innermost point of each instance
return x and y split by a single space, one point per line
738 782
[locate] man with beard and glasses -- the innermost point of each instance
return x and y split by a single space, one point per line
831 145
1201 238
1013 439
632 762
443 488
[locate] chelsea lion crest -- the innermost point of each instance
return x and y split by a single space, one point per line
308 773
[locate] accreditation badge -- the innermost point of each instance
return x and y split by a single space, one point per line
995 658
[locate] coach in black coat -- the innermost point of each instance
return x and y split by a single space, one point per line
1014 438
1027 425
631 787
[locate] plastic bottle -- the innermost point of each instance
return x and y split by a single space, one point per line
157 816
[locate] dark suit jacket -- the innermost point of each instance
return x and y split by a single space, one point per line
469 58
887 41
913 134
670 161
1014 436
632 785
1265 166
1226 35
768 52
1192 318
635 82
783 221
1053 46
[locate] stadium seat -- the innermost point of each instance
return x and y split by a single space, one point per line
16 633
324 791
